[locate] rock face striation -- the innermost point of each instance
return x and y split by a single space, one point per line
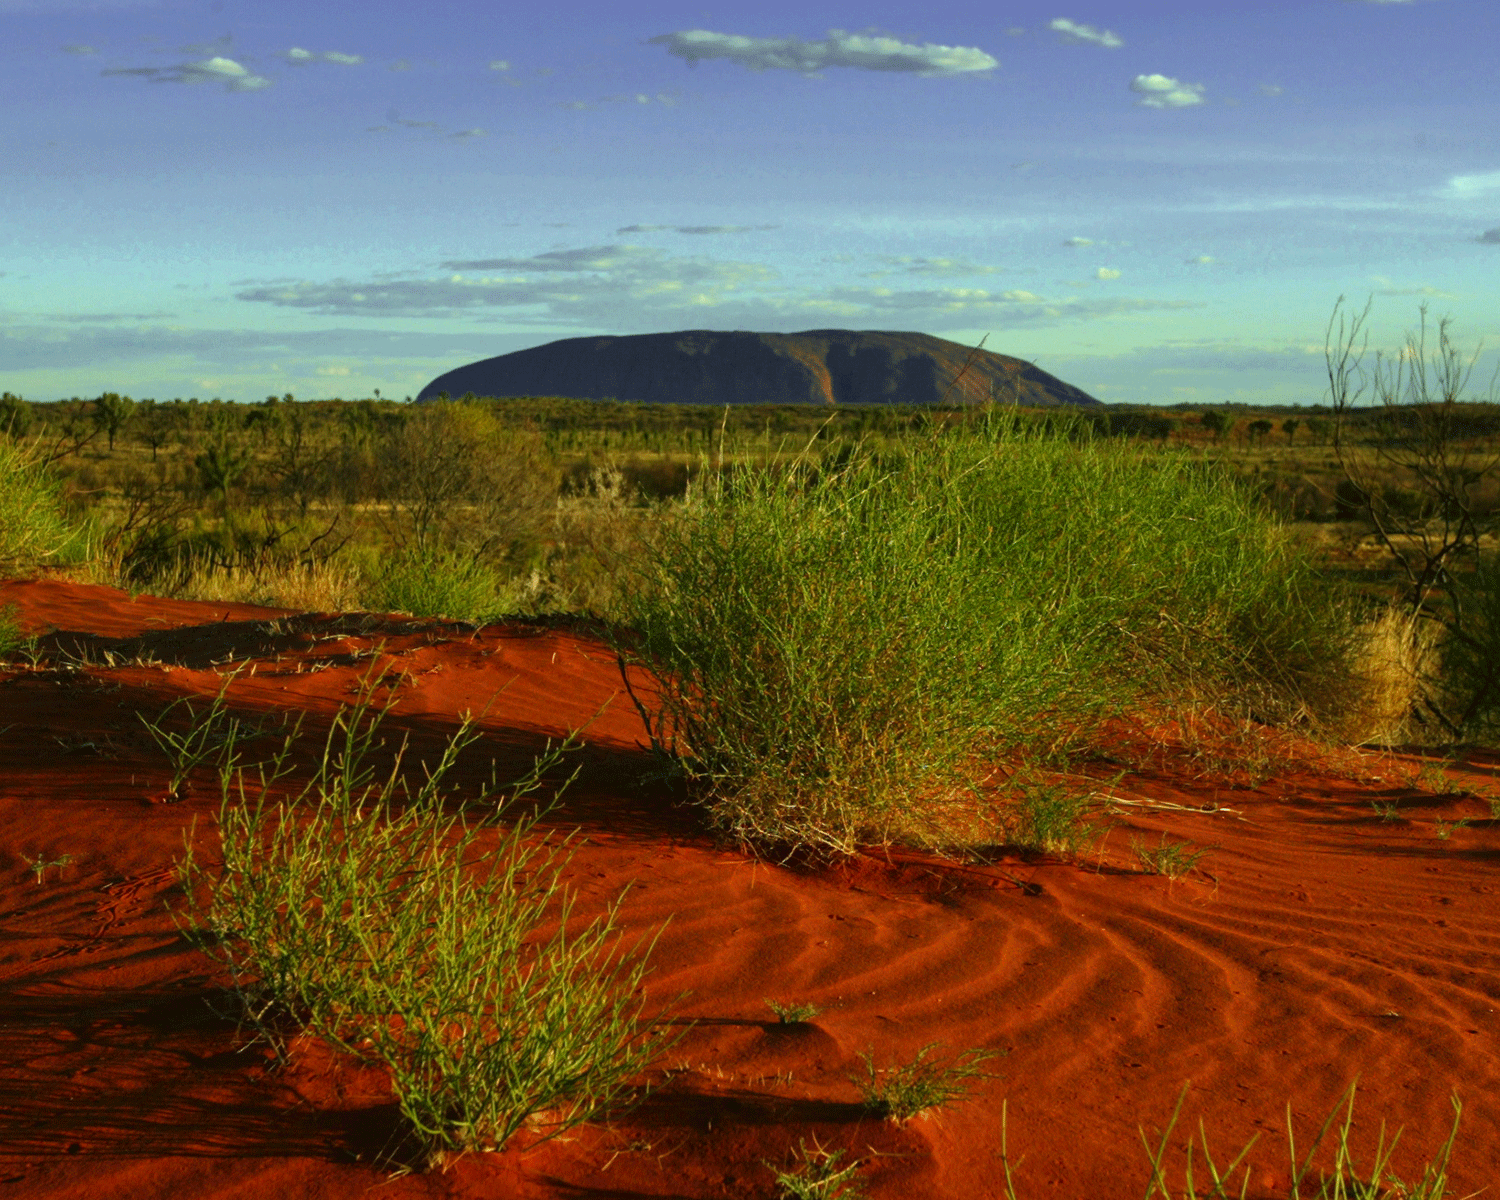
821 366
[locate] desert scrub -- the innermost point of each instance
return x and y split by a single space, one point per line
436 583
33 526
415 935
836 642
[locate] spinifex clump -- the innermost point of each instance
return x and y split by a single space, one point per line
835 642
403 930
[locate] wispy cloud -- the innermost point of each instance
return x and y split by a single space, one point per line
1464 187
624 286
1106 273
79 49
299 57
907 264
696 229
1072 31
665 98
1387 287
233 75
863 52
1490 237
1162 91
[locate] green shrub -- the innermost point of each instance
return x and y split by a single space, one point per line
834 645
435 946
435 583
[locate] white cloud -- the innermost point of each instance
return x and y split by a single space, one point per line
297 56
1162 91
1464 186
1079 241
333 370
499 64
1106 273
80 50
1071 31
1201 260
1270 89
470 133
233 75
839 49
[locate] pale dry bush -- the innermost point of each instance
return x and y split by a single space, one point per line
1394 654
316 587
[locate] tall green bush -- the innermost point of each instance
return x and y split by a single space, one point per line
834 646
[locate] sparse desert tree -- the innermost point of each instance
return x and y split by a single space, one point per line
1289 427
456 479
1258 430
1421 442
1215 422
112 413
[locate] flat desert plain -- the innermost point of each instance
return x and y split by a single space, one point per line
1317 943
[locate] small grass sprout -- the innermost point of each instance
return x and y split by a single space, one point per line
1445 828
41 864
818 1176
210 735
899 1093
1172 859
1206 1179
1386 810
788 1013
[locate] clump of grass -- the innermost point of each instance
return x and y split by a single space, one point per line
818 1176
837 642
1445 828
1172 859
33 527
788 1013
436 583
12 639
899 1093
438 946
1386 810
329 586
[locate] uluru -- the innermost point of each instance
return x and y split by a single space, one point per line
819 366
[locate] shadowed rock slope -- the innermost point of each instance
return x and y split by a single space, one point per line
821 366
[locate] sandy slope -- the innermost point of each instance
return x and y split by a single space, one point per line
1327 944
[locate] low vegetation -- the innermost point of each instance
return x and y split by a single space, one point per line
424 933
836 644
906 1090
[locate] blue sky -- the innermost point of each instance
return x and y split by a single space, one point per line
1158 202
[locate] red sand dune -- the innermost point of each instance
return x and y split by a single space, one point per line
1327 945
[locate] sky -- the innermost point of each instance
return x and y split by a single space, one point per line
1158 202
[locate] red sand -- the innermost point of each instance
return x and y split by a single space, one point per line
1332 945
